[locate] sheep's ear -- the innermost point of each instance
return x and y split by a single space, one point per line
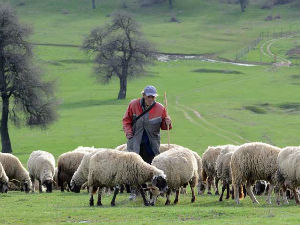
154 181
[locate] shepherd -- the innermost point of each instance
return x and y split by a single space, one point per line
142 123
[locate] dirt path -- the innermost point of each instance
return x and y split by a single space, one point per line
279 60
205 124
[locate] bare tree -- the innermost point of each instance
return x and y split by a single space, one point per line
120 50
25 97
243 4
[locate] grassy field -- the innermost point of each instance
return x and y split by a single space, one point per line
210 103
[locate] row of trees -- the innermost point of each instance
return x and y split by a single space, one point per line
118 48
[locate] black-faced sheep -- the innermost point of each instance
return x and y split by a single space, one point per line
251 162
41 167
112 168
180 167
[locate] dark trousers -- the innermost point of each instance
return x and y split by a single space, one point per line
145 155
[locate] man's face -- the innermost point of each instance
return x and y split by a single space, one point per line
149 99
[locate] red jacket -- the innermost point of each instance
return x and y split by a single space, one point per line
135 109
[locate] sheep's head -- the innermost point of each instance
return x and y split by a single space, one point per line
3 187
48 184
75 187
26 185
159 187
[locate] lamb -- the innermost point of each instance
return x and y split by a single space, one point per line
3 180
223 169
67 164
81 174
41 167
112 168
251 162
288 173
181 168
15 170
209 172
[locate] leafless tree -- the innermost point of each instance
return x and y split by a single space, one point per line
119 49
25 97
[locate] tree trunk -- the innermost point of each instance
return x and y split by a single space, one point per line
5 141
123 87
170 4
93 4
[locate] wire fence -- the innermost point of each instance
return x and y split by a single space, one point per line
263 36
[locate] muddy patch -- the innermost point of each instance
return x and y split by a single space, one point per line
288 107
217 71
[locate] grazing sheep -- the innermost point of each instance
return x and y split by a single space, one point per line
223 169
41 167
3 180
209 172
81 174
15 170
112 168
288 173
200 185
67 164
251 162
180 167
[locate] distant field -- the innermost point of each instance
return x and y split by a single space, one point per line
209 103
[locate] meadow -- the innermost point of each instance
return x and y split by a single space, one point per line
209 103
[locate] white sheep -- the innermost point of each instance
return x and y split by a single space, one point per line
41 167
81 174
3 180
122 147
251 162
288 173
112 168
223 169
180 167
209 172
15 170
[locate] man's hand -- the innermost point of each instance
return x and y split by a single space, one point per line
168 120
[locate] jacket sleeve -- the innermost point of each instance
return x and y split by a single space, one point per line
127 122
163 124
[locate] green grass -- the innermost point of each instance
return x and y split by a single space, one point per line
210 103
66 208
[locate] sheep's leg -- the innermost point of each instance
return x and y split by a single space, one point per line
209 181
228 191
122 188
193 194
99 202
223 189
268 200
92 190
32 181
115 195
176 197
236 193
250 193
168 197
296 196
146 203
217 186
40 187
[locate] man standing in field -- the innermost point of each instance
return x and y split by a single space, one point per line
142 123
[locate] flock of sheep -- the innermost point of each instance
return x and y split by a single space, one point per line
237 167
